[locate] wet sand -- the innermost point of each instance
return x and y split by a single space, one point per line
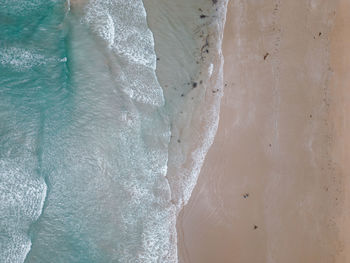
272 185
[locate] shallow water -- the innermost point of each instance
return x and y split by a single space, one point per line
188 36
86 130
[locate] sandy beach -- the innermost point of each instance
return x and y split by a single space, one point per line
272 185
340 63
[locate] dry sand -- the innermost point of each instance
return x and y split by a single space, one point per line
272 186
340 113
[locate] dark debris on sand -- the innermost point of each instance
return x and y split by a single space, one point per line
266 55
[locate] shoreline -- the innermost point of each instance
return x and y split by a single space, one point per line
193 123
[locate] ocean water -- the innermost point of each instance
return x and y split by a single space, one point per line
97 110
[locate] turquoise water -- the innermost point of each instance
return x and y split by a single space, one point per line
86 130
77 128
34 87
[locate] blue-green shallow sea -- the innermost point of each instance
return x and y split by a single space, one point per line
83 136
35 97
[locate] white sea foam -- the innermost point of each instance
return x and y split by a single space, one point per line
210 69
15 248
20 59
145 88
123 25
21 202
